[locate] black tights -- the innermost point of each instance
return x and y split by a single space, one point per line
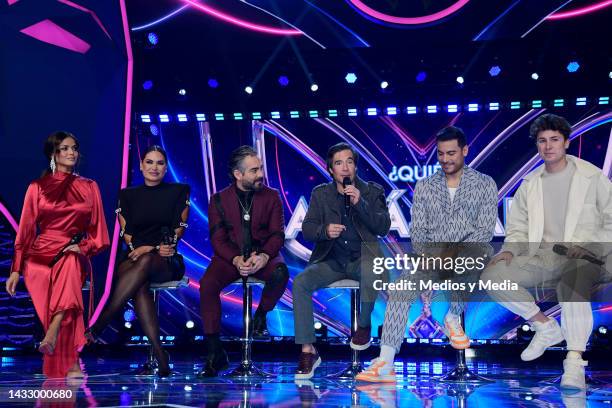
132 281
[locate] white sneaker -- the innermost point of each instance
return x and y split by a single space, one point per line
573 378
455 333
379 371
546 335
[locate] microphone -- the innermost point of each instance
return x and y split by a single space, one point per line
74 240
347 199
562 250
167 238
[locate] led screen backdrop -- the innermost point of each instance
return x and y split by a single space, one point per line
396 150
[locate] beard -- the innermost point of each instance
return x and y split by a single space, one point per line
254 185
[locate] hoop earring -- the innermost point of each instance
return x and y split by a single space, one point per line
52 165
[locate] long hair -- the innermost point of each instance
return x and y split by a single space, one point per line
51 146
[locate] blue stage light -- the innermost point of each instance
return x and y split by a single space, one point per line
314 87
275 115
604 100
294 114
536 103
182 92
181 117
164 118
581 101
147 85
493 106
200 117
332 113
421 76
535 76
248 90
219 116
495 70
460 80
392 110
352 112
213 83
313 114
145 118
411 110
154 130
153 38
256 115
473 107
238 116
283 80
573 66
432 109
557 103
452 108
384 85
129 315
515 105
351 78
372 111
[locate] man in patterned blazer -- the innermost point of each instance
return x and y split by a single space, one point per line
456 204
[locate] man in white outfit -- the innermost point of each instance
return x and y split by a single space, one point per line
567 200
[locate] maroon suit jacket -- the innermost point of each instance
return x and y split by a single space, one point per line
267 222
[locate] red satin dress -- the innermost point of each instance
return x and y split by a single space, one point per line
58 206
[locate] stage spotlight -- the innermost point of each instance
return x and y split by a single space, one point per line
127 325
314 87
283 80
154 130
320 331
351 78
610 74
213 83
153 38
421 76
573 66
182 92
524 333
535 76
147 85
129 315
248 90
384 85
460 80
495 70
190 324
602 330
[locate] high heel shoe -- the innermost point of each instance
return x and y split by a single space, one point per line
163 363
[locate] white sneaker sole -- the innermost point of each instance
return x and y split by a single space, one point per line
360 348
309 375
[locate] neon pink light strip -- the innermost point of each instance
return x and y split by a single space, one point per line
9 217
581 11
49 32
409 20
125 165
86 10
242 23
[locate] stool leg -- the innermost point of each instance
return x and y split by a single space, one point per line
148 368
461 373
246 367
355 367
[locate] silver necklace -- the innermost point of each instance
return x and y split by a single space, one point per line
246 215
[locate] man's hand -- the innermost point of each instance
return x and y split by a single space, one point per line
576 251
166 250
353 193
257 261
244 267
334 230
502 256
138 252
11 283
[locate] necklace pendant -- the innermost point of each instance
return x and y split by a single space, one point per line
246 216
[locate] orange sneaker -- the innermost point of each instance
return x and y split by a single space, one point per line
379 371
457 337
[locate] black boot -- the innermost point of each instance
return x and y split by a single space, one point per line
260 326
216 359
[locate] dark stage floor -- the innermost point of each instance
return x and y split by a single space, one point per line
109 383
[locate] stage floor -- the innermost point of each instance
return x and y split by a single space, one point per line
109 383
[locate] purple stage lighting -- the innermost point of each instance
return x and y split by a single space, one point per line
421 76
495 71
213 83
283 80
153 38
147 85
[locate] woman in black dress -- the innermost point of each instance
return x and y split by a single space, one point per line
153 217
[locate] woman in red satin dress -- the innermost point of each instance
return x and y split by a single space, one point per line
60 204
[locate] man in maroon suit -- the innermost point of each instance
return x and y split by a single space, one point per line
247 232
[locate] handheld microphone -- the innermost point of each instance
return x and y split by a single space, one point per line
74 240
167 238
347 199
562 250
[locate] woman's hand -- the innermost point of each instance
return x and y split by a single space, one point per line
138 252
166 250
73 248
11 283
